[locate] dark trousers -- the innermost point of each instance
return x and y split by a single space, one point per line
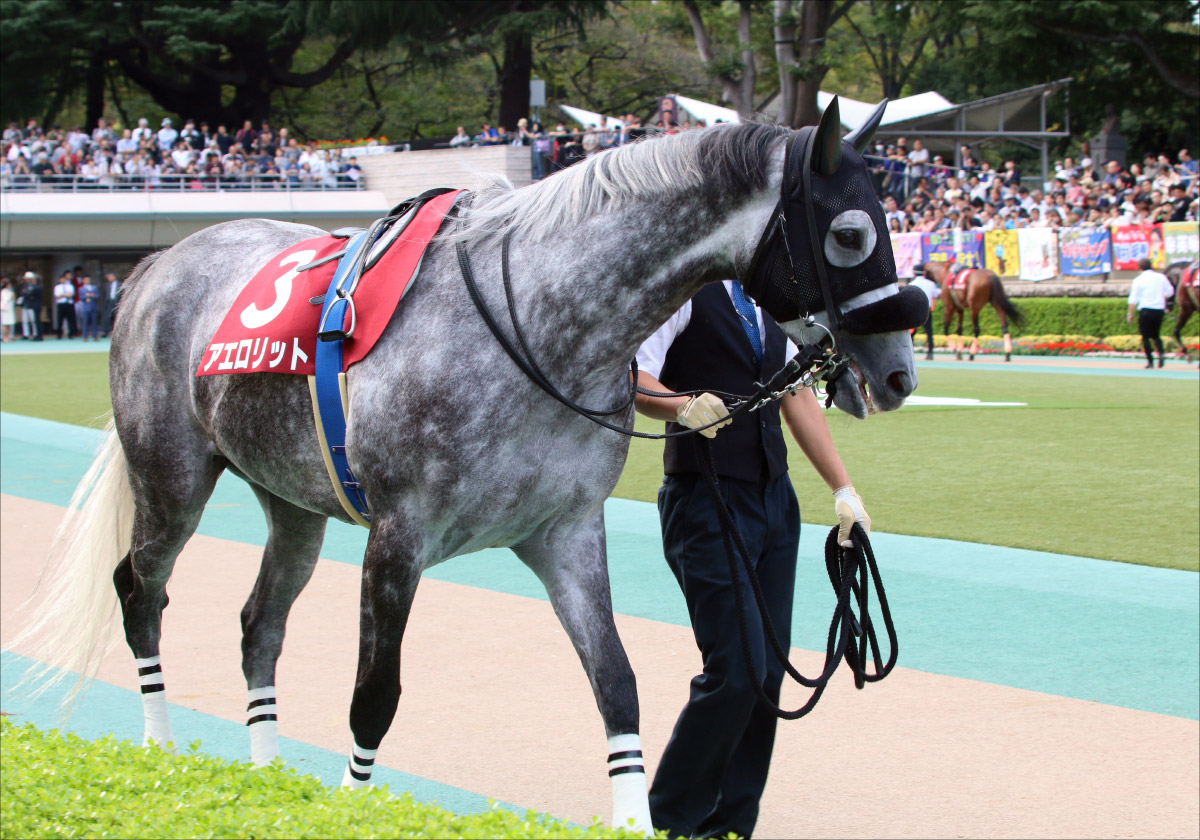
66 318
714 768
928 334
1150 325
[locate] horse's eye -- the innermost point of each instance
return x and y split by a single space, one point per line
847 239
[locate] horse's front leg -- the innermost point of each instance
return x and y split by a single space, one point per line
391 571
572 563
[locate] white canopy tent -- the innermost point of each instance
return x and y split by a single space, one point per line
590 119
705 111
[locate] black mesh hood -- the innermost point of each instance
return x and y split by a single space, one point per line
848 188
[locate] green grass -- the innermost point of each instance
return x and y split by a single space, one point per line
67 387
60 785
1098 466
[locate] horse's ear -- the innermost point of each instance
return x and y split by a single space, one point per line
827 144
861 136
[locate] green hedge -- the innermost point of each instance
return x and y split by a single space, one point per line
1066 316
59 785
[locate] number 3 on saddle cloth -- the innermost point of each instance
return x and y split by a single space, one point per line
273 325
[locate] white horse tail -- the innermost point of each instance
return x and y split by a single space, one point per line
74 605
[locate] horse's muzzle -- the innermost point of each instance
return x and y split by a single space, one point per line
905 310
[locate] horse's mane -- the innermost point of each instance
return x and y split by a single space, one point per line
723 160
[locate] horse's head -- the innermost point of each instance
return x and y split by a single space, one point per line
827 253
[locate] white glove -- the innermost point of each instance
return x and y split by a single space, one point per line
702 410
848 506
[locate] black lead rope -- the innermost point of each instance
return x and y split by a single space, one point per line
850 571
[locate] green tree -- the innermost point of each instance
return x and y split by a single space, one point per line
1142 57
217 60
894 34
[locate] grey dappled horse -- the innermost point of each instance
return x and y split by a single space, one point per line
457 450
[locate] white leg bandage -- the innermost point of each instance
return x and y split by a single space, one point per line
154 702
358 770
261 718
628 773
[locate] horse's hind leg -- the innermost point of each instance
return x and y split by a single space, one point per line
171 480
293 544
572 565
974 335
1004 332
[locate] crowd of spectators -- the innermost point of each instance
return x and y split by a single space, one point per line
920 191
923 193
187 158
560 147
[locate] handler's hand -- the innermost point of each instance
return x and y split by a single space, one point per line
702 410
849 508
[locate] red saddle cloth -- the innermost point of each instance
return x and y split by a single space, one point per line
1191 277
958 277
272 326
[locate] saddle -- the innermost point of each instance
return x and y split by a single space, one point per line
956 284
331 299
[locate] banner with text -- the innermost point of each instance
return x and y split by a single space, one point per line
1038 253
1183 241
906 248
1000 250
1133 242
1084 251
964 247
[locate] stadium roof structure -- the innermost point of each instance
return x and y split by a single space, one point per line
1019 116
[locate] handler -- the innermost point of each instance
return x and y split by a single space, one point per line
714 768
1148 296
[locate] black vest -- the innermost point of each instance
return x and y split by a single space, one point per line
714 353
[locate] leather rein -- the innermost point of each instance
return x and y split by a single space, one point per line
814 363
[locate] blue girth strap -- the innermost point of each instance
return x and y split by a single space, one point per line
331 412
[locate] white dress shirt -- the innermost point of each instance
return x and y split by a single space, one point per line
932 290
1150 290
64 293
652 355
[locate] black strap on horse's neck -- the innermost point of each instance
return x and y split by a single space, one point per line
850 572
524 359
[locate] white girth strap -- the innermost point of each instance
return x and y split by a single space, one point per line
324 444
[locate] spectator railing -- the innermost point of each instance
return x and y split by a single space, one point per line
257 182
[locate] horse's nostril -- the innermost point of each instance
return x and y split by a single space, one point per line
899 384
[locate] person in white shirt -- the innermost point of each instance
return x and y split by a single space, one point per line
182 154
167 135
932 291
918 160
715 765
142 132
64 305
1148 295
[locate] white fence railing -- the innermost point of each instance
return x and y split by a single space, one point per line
177 183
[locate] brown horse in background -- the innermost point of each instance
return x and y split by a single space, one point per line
983 287
1186 295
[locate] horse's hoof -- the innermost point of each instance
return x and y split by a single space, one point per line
1007 357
